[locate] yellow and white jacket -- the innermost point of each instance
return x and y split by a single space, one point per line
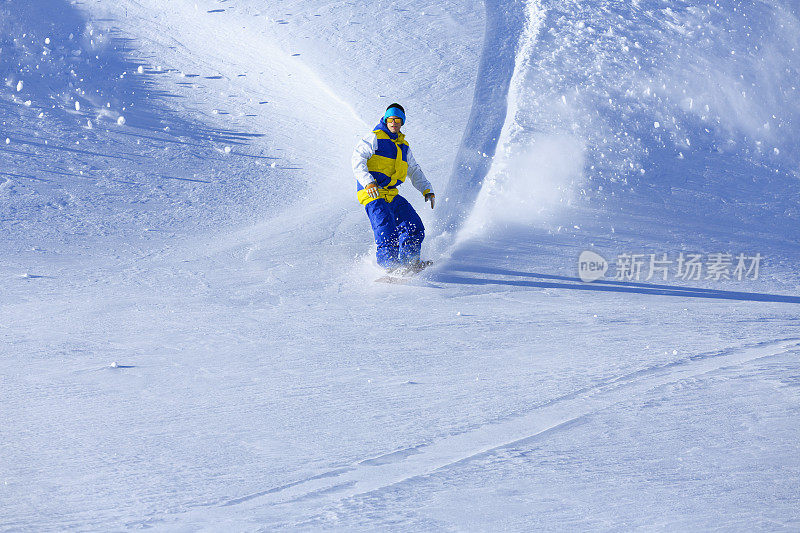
385 159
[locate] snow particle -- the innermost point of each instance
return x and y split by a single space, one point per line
114 365
77 106
458 314
140 70
656 124
47 40
273 165
776 151
121 120
227 149
8 141
674 352
19 85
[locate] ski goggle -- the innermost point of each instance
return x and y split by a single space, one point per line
391 120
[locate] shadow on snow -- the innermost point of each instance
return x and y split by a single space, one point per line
550 281
74 70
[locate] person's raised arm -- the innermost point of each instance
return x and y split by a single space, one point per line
418 179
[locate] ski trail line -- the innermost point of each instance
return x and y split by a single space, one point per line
511 30
372 474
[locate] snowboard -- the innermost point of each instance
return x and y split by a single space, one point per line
405 274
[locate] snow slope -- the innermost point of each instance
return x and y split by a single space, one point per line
191 336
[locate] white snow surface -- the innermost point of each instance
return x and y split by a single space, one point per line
191 338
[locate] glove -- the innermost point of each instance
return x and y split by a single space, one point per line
372 190
432 197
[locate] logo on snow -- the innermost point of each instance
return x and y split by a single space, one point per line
591 266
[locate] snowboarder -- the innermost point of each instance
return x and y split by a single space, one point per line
381 162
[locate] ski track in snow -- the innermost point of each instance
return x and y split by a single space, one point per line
504 28
376 473
512 30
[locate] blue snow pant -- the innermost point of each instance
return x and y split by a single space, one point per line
398 231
